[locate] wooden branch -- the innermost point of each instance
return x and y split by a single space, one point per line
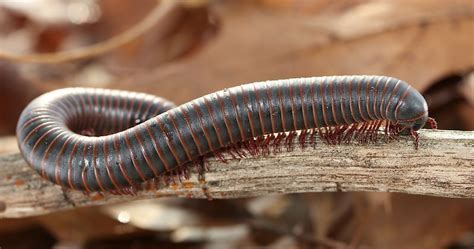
443 166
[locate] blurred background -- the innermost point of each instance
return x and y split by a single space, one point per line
181 50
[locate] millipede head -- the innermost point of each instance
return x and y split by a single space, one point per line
420 122
412 112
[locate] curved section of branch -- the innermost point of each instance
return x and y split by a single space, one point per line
443 166
157 14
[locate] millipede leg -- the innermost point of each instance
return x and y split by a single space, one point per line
350 133
220 156
251 147
320 133
267 143
312 141
231 151
201 168
416 137
433 123
205 189
336 135
326 134
360 133
366 132
239 151
260 140
289 140
302 138
370 132
276 143
376 131
246 145
387 130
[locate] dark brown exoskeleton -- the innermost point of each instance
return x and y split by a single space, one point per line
105 140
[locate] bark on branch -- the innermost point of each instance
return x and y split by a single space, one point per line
443 166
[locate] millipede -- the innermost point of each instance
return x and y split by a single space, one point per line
115 141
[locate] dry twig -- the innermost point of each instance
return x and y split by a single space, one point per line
443 166
156 15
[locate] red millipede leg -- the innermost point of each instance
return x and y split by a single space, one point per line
326 134
387 130
238 149
336 134
277 142
201 168
267 144
351 133
220 156
374 131
252 147
415 135
289 140
90 132
342 135
368 132
312 141
231 151
379 123
259 143
433 123
302 138
246 146
360 133
205 188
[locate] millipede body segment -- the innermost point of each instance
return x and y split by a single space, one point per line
108 140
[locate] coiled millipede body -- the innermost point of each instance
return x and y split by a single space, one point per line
108 140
